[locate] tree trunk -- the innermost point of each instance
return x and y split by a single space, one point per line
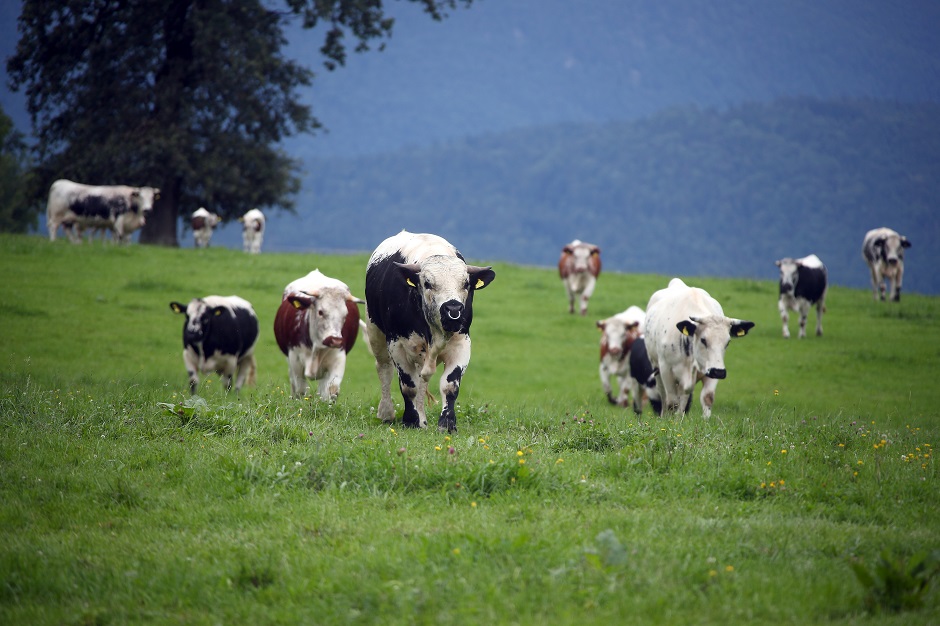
161 226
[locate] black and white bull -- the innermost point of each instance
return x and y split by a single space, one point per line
419 306
219 336
118 208
803 285
883 251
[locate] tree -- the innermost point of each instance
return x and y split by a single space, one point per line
191 96
14 214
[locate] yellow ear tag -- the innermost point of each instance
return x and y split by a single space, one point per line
685 331
296 304
480 283
741 333
218 312
408 280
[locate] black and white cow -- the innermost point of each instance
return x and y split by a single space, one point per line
219 336
419 305
803 284
644 379
883 250
119 208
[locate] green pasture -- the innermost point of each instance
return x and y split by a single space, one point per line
125 501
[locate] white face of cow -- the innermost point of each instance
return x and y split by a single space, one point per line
446 285
891 248
327 314
618 334
198 319
144 197
709 337
788 275
580 258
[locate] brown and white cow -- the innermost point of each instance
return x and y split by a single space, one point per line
687 334
118 208
252 231
883 250
203 223
618 334
316 326
419 304
579 266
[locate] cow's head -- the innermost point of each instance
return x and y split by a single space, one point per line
891 248
199 319
618 335
789 274
582 257
708 338
142 199
327 309
446 285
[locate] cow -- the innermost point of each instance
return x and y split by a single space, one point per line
118 208
203 222
579 266
618 334
219 335
883 250
643 385
687 334
252 231
316 326
803 284
419 307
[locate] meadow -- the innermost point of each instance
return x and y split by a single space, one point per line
124 500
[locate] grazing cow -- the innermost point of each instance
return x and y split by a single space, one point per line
419 305
618 334
687 334
579 266
316 327
803 284
203 223
883 250
118 208
252 230
643 383
219 335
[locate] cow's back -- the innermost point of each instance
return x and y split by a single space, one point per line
233 332
811 283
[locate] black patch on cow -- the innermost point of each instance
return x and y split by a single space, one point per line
640 367
448 419
92 206
393 305
685 341
225 331
811 283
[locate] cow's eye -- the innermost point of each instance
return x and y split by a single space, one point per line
427 284
704 343
466 285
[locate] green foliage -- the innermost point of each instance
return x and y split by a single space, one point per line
14 215
126 500
896 584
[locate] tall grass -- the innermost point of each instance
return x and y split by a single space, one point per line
124 500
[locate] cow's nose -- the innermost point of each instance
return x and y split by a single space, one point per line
452 310
892 261
716 373
786 288
333 342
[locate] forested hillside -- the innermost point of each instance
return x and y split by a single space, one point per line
686 192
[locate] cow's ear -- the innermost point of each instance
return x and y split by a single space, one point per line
410 272
739 328
480 277
301 300
686 327
778 263
176 307
601 324
905 243
567 250
595 251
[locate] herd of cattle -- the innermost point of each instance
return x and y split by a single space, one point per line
419 307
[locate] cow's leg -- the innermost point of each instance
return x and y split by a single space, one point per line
295 371
411 418
627 389
877 283
571 296
804 313
784 317
191 361
896 284
244 368
707 397
586 295
820 309
605 382
668 386
334 368
383 367
456 359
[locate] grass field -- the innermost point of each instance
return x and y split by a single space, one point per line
125 501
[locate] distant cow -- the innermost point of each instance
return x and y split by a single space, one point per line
203 222
803 284
419 304
252 230
579 266
883 250
618 334
687 334
316 327
219 336
119 208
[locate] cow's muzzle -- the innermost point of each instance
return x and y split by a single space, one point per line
333 342
452 315
717 373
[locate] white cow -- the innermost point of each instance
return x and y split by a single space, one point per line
618 333
883 250
687 334
579 267
252 230
203 222
118 208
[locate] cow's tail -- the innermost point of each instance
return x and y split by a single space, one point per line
364 331
252 365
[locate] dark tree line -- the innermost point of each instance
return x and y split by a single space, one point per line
191 96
